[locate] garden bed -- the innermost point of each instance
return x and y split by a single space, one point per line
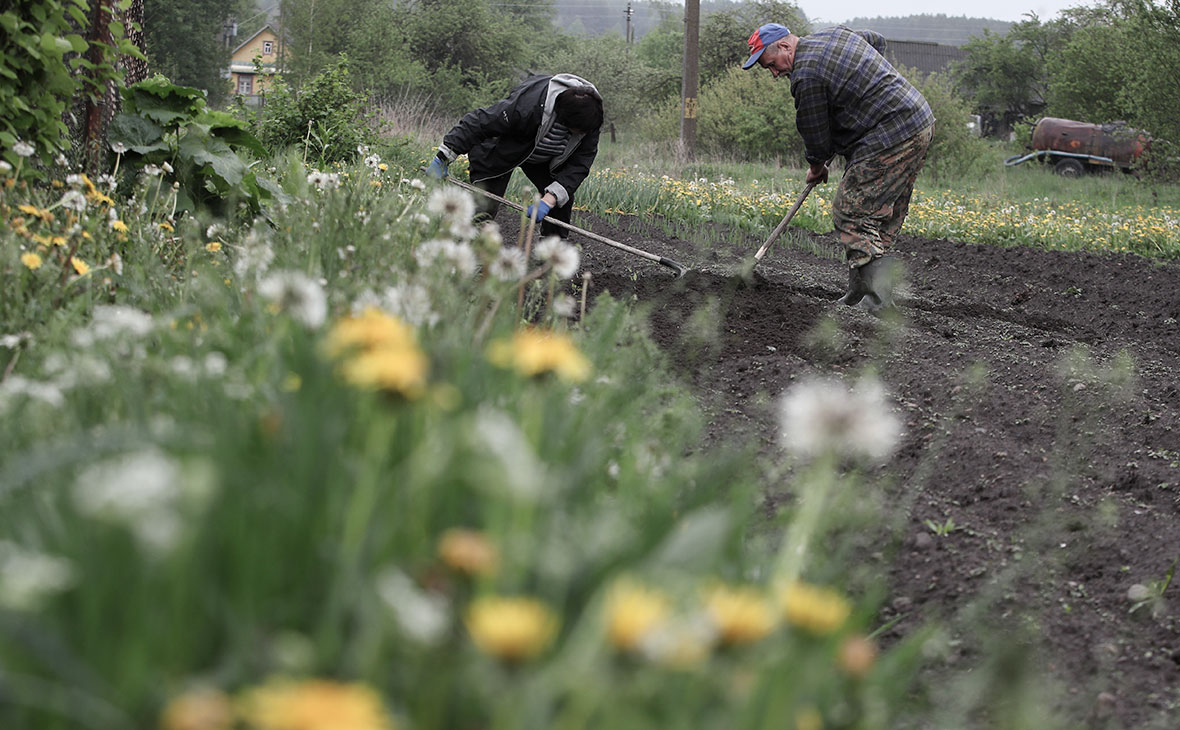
1036 483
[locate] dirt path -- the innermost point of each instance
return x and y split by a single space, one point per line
1036 464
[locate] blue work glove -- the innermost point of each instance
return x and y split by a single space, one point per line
438 168
542 209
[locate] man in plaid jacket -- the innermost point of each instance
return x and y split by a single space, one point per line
850 101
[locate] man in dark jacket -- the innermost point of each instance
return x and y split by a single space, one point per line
850 101
548 127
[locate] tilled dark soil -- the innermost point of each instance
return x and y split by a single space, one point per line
1061 477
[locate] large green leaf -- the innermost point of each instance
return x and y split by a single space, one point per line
215 154
230 129
139 134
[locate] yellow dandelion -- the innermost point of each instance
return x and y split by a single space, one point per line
166 226
468 551
511 628
382 167
80 266
394 369
57 241
202 709
314 705
815 609
41 213
375 183
370 329
213 246
809 718
535 352
119 226
31 260
742 615
633 613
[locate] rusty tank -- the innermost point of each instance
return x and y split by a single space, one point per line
1113 144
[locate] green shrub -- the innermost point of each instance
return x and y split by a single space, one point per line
325 118
954 151
749 116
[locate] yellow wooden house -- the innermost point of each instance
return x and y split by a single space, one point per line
244 76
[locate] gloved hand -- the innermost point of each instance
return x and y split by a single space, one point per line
438 168
542 209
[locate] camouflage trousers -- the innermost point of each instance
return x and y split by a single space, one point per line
874 196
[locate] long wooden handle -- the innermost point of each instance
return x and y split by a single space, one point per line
661 260
778 230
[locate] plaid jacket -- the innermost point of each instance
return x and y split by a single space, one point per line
849 100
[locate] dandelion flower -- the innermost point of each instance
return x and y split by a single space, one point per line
741 615
815 609
378 350
564 306
316 704
825 416
198 709
535 352
151 170
5 167
422 615
468 551
511 628
23 149
28 577
632 613
31 260
80 266
451 204
213 246
119 226
73 200
140 491
562 256
118 148
508 264
297 295
166 167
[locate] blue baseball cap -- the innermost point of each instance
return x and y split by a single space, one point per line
762 38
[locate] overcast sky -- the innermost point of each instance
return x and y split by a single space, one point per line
836 11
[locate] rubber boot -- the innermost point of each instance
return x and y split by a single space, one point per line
871 286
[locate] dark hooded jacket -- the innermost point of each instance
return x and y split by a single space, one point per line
500 137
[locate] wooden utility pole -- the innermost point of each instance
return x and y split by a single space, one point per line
688 106
629 33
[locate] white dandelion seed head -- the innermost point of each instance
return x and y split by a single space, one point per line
113 322
118 148
417 184
420 218
166 167
412 303
28 577
73 200
490 232
463 230
299 296
255 254
372 161
16 387
451 204
508 264
61 160
824 415
23 148
422 616
564 306
14 341
140 491
74 180
151 170
5 167
562 256
215 364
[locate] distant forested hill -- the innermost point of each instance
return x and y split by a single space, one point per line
951 31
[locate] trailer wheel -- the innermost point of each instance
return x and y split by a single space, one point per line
1069 168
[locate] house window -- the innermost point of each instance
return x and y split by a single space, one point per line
245 85
268 47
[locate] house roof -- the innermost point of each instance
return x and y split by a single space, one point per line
924 56
261 30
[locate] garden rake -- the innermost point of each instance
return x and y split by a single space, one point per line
679 268
748 267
